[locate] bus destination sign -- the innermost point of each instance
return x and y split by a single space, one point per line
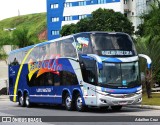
117 52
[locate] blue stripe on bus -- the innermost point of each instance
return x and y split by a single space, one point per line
120 91
111 59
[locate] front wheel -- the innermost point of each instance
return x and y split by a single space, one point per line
79 105
116 108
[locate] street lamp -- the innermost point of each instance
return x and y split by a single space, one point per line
9 29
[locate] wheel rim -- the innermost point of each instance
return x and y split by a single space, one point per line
68 102
27 101
79 102
21 100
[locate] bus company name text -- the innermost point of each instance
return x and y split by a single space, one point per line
112 52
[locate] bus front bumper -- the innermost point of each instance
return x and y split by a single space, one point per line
119 99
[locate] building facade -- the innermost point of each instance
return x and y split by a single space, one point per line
62 12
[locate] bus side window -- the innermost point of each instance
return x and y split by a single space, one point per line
53 50
42 52
67 48
49 79
56 80
68 78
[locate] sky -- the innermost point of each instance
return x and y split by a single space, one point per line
11 8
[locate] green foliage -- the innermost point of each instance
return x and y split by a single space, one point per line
149 37
22 38
34 23
151 101
28 27
3 55
68 29
101 20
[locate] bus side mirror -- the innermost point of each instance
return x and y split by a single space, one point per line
149 61
98 60
94 57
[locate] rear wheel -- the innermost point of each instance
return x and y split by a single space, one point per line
68 102
116 108
78 103
21 100
27 100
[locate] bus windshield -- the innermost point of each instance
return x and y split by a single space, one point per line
119 75
105 44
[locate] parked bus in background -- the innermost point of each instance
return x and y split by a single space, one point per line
85 69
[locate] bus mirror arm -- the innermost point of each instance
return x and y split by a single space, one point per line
98 60
149 61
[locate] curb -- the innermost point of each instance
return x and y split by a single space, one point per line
144 106
4 97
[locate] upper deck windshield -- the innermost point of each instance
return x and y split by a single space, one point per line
105 44
118 45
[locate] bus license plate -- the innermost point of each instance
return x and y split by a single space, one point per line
122 103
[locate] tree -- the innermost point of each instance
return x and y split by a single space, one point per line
22 38
148 41
103 20
68 29
83 25
3 55
109 20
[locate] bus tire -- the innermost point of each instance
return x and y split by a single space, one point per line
116 108
78 103
21 100
27 100
68 102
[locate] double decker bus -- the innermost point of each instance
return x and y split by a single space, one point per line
85 69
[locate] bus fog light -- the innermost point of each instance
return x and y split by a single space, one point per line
139 100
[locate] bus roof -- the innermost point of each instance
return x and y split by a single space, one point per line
61 38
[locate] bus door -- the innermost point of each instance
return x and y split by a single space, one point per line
89 73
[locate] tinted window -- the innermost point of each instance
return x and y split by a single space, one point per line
54 50
68 78
67 48
88 68
46 79
113 44
33 56
83 43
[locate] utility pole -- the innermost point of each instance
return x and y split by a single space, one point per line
18 12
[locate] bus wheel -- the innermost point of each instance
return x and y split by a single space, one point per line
21 100
116 108
68 102
79 105
27 101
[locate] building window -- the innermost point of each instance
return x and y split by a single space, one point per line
82 3
132 13
101 1
91 1
55 19
53 6
68 18
82 16
55 32
125 1
68 4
